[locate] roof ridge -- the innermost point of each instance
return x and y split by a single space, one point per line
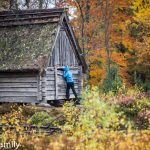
27 17
30 11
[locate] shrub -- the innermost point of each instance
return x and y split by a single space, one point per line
135 108
99 140
40 118
112 82
8 107
146 86
28 111
12 122
94 114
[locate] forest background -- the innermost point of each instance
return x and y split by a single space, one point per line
114 37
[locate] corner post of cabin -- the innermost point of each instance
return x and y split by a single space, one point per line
56 84
39 95
80 80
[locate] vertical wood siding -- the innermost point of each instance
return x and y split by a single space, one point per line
63 53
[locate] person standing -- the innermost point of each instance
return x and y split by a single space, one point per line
70 84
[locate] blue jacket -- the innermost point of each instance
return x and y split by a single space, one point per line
67 75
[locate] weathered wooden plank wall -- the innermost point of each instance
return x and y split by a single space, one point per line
18 87
62 83
50 89
50 92
63 53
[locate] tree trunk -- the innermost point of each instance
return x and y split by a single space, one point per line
107 19
106 32
87 11
82 24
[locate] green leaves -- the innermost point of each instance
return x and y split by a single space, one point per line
112 83
40 118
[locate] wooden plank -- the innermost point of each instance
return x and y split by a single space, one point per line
73 40
50 88
64 94
31 12
19 85
60 73
50 77
62 97
29 18
57 51
43 87
74 72
53 46
39 93
50 69
17 75
43 90
50 93
44 98
56 88
50 83
19 93
52 97
50 73
22 89
28 23
60 78
20 99
61 50
17 80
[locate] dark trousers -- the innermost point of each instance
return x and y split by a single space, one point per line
70 85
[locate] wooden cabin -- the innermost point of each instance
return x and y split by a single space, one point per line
34 44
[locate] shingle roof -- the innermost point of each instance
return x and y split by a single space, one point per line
26 38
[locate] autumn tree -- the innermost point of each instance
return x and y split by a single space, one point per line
139 30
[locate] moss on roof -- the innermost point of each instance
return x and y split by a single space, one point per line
24 47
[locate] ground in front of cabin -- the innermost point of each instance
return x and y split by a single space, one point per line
102 122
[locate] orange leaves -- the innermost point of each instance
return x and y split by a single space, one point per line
119 59
131 31
97 61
